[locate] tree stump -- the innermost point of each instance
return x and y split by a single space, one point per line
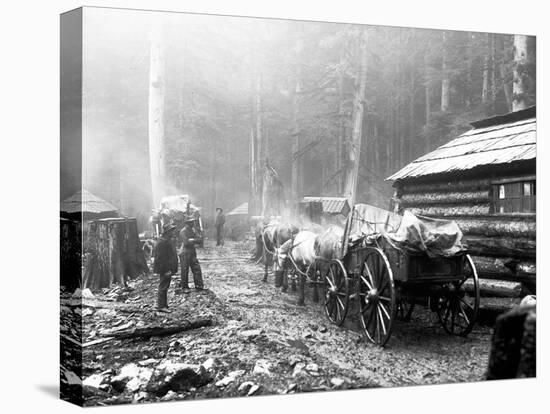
513 349
70 254
115 254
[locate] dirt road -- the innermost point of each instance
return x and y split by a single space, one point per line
262 339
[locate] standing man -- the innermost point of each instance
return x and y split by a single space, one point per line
219 223
166 264
188 257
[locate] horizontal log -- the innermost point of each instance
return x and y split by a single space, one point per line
445 198
498 305
497 228
513 247
495 288
495 269
453 210
439 186
148 331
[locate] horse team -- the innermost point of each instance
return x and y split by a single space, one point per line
301 254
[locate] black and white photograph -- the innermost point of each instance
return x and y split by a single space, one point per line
263 206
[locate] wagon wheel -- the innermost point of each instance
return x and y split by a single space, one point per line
377 299
457 307
336 292
405 307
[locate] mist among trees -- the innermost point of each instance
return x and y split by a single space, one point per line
226 95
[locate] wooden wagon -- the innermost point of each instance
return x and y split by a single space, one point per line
386 280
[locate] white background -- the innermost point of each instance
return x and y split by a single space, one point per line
29 131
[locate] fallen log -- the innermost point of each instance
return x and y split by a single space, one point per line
149 331
502 268
513 247
491 227
459 185
97 341
451 210
409 200
496 288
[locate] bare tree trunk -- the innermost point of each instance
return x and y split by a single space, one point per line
259 143
340 151
493 73
520 75
157 151
359 109
295 171
485 87
446 81
253 175
427 89
504 78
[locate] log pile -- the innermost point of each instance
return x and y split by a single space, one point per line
115 254
503 246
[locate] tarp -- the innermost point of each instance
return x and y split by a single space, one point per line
369 219
435 237
412 233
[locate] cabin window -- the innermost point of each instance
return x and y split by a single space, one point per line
517 196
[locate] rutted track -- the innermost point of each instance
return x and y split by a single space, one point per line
275 344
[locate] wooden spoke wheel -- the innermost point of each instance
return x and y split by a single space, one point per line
457 307
405 307
377 298
336 292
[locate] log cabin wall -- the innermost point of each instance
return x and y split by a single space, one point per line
501 241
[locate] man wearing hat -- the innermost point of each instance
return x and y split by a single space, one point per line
219 223
188 257
166 264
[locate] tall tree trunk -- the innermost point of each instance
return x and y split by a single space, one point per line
295 169
520 73
157 152
356 138
427 89
213 189
259 139
253 203
445 81
493 73
503 76
341 136
486 61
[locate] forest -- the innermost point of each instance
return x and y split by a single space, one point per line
320 103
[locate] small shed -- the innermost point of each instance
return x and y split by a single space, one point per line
87 206
330 205
485 179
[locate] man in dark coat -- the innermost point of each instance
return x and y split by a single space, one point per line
219 223
166 264
188 257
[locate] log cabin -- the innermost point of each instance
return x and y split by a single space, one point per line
485 179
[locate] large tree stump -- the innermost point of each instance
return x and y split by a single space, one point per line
513 349
114 253
70 254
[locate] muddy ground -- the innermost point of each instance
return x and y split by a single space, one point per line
261 342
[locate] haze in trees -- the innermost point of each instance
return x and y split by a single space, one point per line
321 102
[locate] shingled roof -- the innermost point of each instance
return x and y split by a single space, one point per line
499 140
86 202
331 205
